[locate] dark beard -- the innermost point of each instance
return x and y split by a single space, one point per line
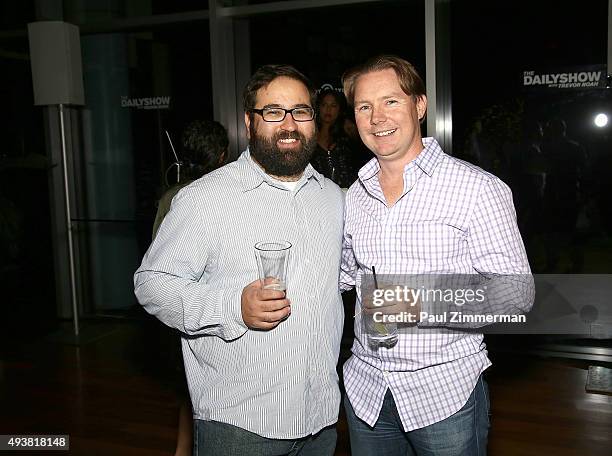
282 163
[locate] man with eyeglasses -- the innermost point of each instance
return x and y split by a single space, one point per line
261 365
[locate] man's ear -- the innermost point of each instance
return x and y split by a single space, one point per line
223 156
421 106
247 124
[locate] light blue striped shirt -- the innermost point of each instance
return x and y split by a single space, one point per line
281 383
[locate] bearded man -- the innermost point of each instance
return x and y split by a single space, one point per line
260 363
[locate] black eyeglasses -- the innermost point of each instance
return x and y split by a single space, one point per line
301 114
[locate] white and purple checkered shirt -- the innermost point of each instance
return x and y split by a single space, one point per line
452 218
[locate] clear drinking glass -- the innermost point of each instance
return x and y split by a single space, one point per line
376 325
272 260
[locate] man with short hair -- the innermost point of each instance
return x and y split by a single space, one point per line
415 211
204 149
261 365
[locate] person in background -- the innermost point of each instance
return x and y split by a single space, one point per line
204 149
261 364
565 195
335 153
338 156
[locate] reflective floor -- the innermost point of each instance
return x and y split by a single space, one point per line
115 395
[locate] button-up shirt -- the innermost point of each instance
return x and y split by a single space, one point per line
280 383
452 218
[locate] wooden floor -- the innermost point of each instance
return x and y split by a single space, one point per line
113 396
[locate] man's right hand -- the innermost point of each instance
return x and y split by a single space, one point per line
399 302
263 308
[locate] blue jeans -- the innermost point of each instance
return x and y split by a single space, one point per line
461 434
211 438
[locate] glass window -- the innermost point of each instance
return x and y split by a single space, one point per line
138 86
529 104
528 80
323 43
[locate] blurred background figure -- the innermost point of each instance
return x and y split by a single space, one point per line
528 168
338 155
564 196
529 176
204 148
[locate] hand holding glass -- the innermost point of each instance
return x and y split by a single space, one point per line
378 330
272 260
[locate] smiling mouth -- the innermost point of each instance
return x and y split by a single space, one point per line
384 133
288 141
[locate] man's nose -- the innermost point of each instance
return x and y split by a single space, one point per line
289 123
378 116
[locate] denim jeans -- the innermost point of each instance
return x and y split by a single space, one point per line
211 438
461 434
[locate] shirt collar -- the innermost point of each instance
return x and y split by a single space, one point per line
253 175
427 160
430 156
